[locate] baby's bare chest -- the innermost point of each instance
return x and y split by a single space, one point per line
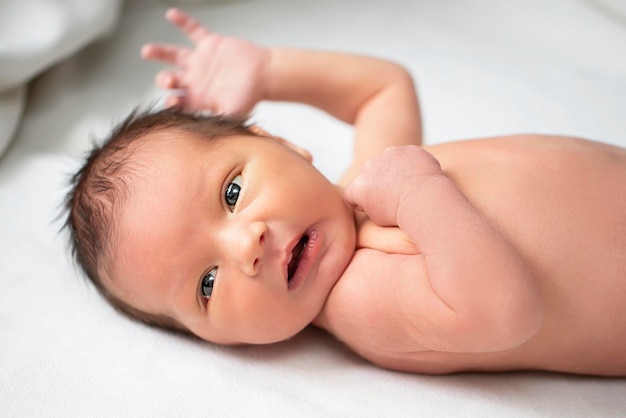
562 202
564 211
583 330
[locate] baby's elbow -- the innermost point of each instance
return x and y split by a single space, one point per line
523 330
531 319
404 76
517 323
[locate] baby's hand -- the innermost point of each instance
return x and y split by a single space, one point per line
385 180
220 74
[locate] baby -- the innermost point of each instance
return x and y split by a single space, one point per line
481 255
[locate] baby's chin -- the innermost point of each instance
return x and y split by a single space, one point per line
252 339
262 335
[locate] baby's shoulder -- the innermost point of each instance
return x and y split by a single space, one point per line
521 146
363 311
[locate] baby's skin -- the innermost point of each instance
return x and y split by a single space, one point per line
481 255
560 203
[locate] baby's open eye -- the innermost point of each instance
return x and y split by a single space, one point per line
208 280
232 192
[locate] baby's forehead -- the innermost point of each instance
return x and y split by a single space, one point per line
172 139
169 138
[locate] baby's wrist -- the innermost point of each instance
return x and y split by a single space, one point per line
268 80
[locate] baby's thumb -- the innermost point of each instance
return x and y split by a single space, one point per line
234 105
351 195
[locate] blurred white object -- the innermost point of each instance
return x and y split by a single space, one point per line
616 7
35 34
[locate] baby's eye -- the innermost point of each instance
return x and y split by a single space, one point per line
208 280
232 192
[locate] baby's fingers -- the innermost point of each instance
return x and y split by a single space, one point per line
175 101
188 25
170 54
169 80
364 193
352 194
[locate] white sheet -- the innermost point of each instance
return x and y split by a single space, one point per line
483 67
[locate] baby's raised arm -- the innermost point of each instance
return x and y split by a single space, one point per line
229 75
469 290
376 96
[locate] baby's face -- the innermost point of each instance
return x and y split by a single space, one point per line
240 240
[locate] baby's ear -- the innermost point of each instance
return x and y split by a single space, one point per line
301 151
257 130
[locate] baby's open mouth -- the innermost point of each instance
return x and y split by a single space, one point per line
296 255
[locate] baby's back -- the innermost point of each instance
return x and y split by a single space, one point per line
562 203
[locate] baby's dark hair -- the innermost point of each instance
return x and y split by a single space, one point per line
101 185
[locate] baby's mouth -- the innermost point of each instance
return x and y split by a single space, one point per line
296 255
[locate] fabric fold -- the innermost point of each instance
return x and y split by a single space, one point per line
36 34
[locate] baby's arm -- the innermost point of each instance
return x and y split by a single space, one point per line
376 96
230 75
471 290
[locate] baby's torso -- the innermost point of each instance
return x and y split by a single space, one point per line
562 203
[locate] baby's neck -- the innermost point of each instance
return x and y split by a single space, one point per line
321 321
390 239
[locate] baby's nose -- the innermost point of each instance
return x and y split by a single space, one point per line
251 247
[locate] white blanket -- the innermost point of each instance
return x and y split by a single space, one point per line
35 34
483 67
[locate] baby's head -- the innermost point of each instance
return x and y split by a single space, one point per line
207 225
